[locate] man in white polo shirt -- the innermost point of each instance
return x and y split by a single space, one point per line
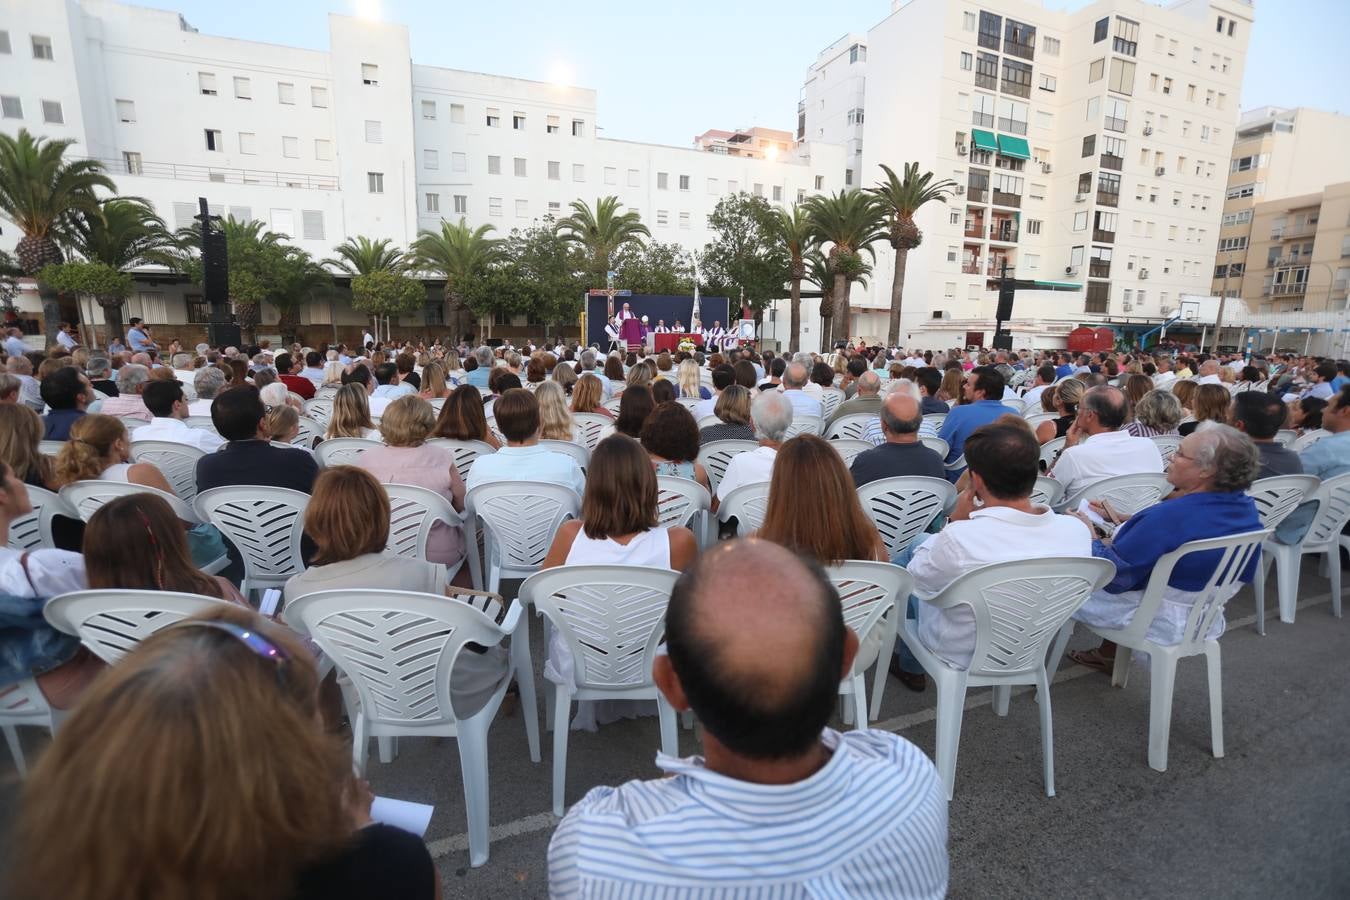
166 403
1097 448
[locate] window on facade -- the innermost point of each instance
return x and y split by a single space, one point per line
857 53
1089 146
213 140
634 178
777 193
431 159
552 125
429 110
1098 298
1019 39
52 113
967 61
1012 116
1108 188
991 30
494 206
374 132
206 83
4 43
1096 69
243 90
968 21
518 121
285 92
522 209
578 172
578 128
126 111
1016 78
323 149
684 182
1122 76
1117 113
1099 31
663 181
554 170
518 166
457 113
370 74
290 147
1127 37
1050 46
982 111
494 165
318 97
42 46
248 143
461 204
662 217
459 162
986 71
493 117
375 182
1046 82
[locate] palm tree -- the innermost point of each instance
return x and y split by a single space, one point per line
122 233
360 256
792 229
851 221
601 233
253 254
39 192
900 199
459 254
297 278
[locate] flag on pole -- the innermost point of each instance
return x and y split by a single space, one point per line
695 318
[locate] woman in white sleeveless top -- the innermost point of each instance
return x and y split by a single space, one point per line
618 527
99 449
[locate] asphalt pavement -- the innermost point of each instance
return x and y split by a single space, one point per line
1269 819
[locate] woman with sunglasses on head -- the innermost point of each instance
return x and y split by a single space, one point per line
236 791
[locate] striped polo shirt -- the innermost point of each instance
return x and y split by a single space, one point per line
871 823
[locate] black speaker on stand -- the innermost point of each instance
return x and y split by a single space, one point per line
221 331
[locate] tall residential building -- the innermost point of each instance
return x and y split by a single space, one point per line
354 140
833 99
1087 148
1282 244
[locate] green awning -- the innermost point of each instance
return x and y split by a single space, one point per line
1058 286
1015 147
984 140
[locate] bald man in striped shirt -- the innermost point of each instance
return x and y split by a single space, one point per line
779 806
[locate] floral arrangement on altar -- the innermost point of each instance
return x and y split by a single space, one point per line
687 346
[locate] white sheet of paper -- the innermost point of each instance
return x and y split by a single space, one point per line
271 599
402 814
1091 513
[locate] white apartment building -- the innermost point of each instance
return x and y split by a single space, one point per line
1090 150
832 102
356 140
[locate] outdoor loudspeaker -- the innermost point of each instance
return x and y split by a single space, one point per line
1005 304
1003 341
223 334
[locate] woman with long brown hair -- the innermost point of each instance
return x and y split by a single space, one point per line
614 375
635 406
1211 404
236 791
950 391
350 417
20 437
814 508
589 396
434 385
462 418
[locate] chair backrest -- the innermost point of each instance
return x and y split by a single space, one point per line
34 530
1047 492
85 497
578 452
202 422
50 448
589 427
521 517
747 504
1020 606
708 422
465 452
1050 449
716 456
1300 443
398 647
1333 511
903 507
320 410
496 432
310 431
132 423
830 398
851 426
1231 555
611 617
326 391
867 591
437 404
178 462
343 451
1279 495
804 425
1126 493
264 523
849 448
679 499
937 445
612 404
935 419
1286 436
112 622
1168 445
1035 419
687 402
412 513
1014 403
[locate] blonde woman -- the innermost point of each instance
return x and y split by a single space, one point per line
1068 393
20 434
565 376
555 420
589 396
99 449
351 415
639 376
332 374
282 423
691 386
434 386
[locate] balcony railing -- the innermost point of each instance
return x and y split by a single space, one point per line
1112 162
976 195
1005 234
1290 289
1108 198
1097 307
1002 198
218 174
986 81
994 269
989 41
1023 51
1099 269
1103 237
982 120
1113 124
1016 89
974 267
975 231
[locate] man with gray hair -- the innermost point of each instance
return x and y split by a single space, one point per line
902 453
772 415
866 400
99 370
1209 373
131 380
30 392
207 383
794 380
874 435
479 376
1097 446
9 388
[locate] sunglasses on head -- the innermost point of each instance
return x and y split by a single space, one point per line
253 640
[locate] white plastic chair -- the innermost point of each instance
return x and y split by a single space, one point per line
804 425
178 462
1323 537
851 426
520 519
22 704
112 622
830 398
612 404
343 451
589 428
612 619
849 448
687 402
1014 403
399 649
955 465
578 452
1276 497
708 422
496 432
1168 445
938 446
747 504
34 530
1126 493
1286 436
320 410
1235 553
265 524
50 448
1035 419
716 456
85 497
465 452
132 423
1018 607
310 431
935 419
684 502
1047 491
873 596
203 423
1304 441
413 512
903 507
1050 451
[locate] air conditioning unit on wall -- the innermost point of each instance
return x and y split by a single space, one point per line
960 149
960 190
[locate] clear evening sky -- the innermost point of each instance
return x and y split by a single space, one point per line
666 71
